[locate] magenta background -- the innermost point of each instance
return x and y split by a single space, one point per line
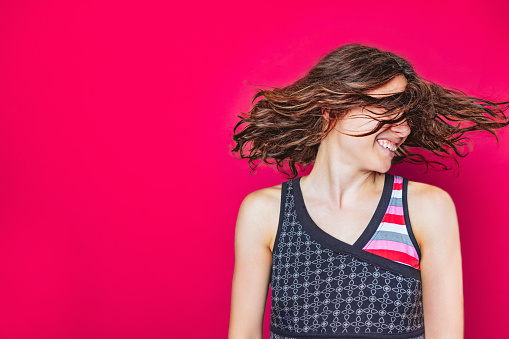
118 193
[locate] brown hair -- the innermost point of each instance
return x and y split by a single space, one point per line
287 123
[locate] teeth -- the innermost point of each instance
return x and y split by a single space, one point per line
387 144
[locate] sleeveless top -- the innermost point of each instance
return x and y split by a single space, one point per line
322 287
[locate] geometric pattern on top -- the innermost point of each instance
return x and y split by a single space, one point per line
277 336
324 288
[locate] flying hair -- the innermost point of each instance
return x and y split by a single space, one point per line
286 124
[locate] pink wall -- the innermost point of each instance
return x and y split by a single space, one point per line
118 194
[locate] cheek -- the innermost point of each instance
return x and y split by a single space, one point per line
359 146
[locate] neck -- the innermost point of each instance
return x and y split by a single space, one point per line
338 182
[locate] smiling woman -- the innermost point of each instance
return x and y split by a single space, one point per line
364 119
351 251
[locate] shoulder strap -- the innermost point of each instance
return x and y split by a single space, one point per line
283 207
407 218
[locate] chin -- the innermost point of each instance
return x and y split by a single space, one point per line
384 166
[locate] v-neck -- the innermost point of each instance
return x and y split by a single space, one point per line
332 242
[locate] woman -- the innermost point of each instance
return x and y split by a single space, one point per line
351 251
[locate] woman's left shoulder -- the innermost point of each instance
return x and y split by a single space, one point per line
432 213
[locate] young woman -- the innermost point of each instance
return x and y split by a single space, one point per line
351 251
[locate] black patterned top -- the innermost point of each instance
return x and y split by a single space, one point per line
322 287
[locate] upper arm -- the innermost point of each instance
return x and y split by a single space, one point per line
253 263
441 264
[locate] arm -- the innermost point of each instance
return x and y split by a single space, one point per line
441 265
253 262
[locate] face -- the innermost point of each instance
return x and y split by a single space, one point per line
370 151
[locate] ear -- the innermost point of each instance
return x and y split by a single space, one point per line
325 113
326 118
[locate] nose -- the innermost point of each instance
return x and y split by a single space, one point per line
402 128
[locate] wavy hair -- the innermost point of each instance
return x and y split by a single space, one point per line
287 124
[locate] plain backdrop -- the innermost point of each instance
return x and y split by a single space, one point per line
118 193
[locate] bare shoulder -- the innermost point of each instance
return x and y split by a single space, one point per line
435 225
432 213
260 212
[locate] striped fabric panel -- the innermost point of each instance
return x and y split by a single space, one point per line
391 239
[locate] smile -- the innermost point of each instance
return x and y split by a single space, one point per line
387 147
387 144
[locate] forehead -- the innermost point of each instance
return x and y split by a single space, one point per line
395 85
